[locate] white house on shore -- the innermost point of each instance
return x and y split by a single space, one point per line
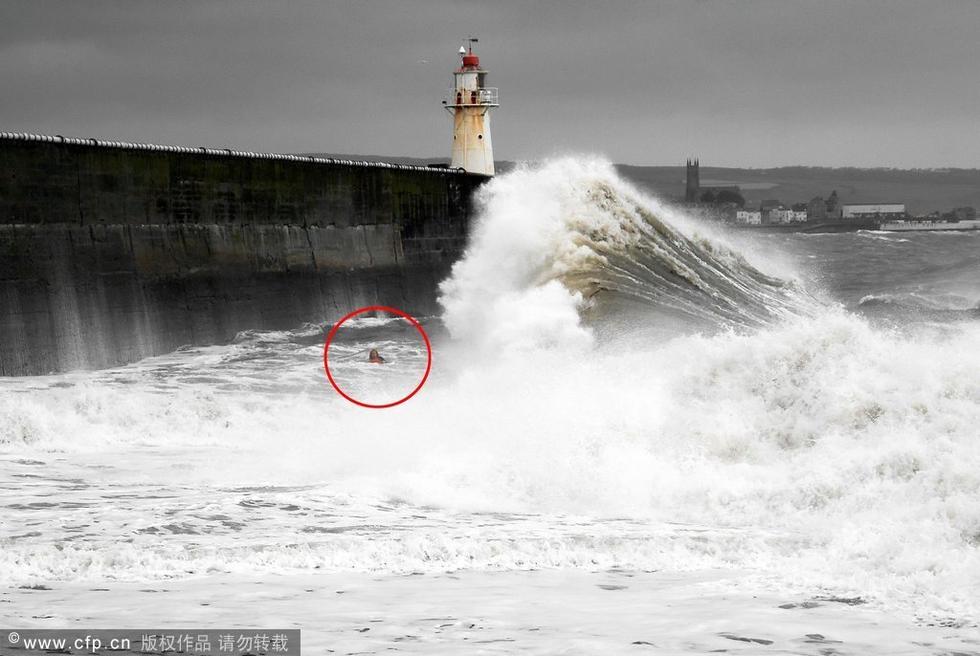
784 215
748 217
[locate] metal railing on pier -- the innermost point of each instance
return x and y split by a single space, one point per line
485 97
226 152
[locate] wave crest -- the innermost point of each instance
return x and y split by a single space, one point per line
571 243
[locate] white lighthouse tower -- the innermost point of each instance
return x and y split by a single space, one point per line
470 104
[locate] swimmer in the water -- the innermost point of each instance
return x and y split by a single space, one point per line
375 357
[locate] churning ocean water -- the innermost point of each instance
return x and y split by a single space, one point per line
640 434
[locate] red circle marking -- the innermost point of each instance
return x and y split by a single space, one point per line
390 310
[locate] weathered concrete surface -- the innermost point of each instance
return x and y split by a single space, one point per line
108 255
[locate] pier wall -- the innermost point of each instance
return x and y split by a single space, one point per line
113 252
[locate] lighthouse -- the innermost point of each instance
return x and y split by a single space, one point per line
469 103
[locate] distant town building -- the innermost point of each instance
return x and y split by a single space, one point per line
692 192
873 210
748 217
708 193
780 215
816 209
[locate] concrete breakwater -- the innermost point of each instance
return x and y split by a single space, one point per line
111 252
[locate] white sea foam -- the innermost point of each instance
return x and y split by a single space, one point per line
812 449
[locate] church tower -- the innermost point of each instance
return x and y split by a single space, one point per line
693 191
470 105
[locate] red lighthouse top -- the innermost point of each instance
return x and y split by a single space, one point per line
469 59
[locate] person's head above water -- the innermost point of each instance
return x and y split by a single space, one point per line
375 357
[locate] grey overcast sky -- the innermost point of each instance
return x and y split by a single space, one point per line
737 82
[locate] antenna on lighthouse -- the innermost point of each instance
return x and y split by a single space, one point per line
470 102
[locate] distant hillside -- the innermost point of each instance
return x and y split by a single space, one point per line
922 190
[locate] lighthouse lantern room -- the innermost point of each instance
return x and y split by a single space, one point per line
469 103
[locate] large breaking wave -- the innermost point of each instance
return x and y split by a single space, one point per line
572 239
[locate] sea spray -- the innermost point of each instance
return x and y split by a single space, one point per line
553 241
